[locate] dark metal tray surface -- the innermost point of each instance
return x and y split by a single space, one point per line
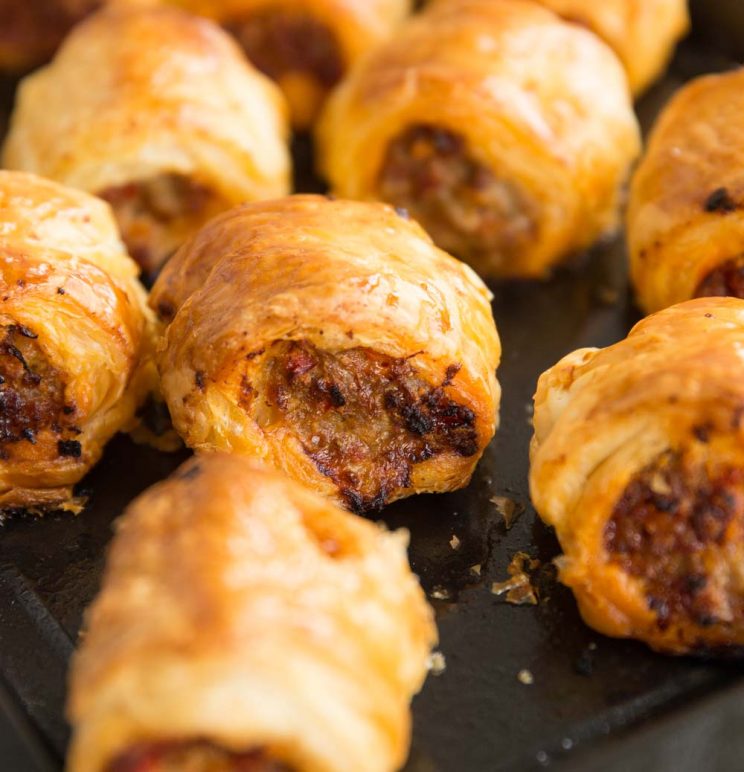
594 703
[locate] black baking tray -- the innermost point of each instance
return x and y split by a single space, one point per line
595 703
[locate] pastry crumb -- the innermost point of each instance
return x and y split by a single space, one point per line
525 677
509 509
454 542
518 587
476 569
440 593
608 296
437 663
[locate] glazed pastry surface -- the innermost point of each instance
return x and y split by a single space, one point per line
335 341
306 46
637 462
506 132
685 217
246 623
31 30
75 356
172 126
643 33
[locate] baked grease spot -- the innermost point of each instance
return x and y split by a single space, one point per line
69 448
720 201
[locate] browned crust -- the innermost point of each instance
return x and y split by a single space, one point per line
342 276
250 590
74 339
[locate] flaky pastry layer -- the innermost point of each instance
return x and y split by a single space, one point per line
636 462
241 612
335 341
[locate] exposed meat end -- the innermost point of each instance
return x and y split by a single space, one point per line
680 528
198 756
156 216
465 207
36 27
280 41
31 391
365 419
726 279
295 49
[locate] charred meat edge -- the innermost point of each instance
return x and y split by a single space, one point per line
364 418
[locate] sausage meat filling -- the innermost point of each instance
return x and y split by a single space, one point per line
281 41
466 209
200 756
31 390
40 25
156 216
365 419
285 44
681 530
726 279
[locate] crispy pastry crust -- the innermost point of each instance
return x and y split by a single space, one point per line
240 609
542 107
643 33
685 216
353 28
636 462
353 283
75 355
165 94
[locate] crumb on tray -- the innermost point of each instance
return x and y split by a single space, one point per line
518 587
525 677
509 509
437 663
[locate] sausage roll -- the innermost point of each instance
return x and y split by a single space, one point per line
335 341
506 132
73 339
306 46
638 462
172 125
643 33
686 213
31 30
246 623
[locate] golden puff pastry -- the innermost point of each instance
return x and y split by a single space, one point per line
31 30
333 340
638 462
306 46
686 215
247 623
74 342
170 125
506 132
643 33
